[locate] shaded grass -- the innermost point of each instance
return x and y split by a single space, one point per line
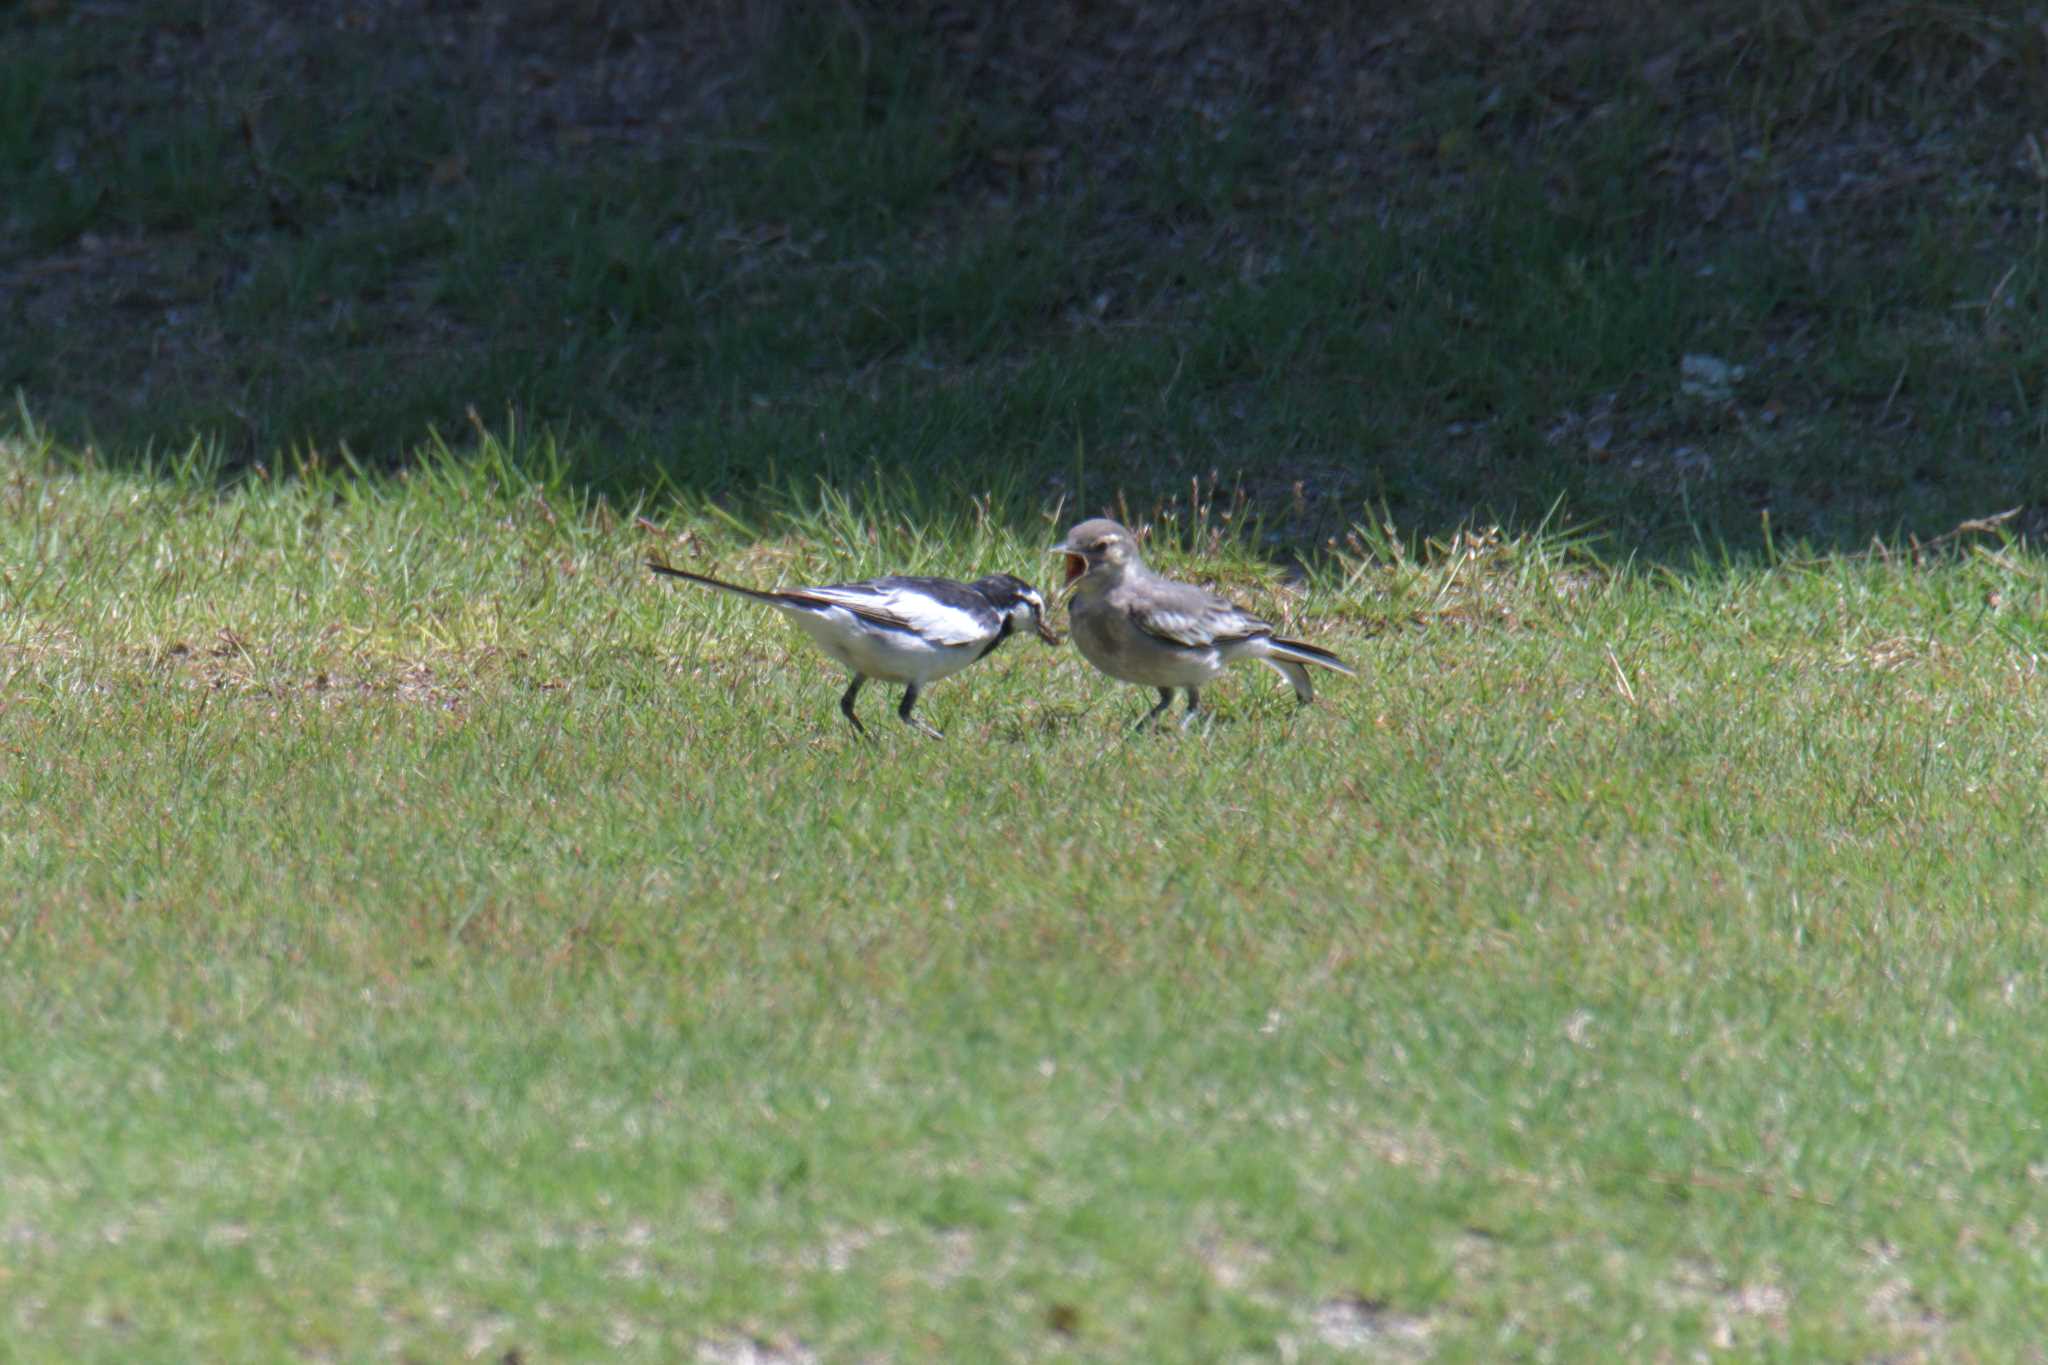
1447 264
425 934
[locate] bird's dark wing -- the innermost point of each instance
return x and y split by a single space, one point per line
937 609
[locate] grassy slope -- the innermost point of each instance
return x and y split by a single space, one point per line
427 935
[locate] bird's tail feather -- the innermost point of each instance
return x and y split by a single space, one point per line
1309 654
772 599
1304 689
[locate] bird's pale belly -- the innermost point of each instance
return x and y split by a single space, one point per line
1116 647
888 656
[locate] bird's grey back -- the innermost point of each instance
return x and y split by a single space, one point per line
1183 613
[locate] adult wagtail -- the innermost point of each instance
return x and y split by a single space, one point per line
1142 628
912 631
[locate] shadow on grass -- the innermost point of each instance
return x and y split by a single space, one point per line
1424 271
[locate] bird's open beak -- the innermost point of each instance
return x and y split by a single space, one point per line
1076 566
1047 633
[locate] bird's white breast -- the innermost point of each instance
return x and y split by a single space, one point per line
879 652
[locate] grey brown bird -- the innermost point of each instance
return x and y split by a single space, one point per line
912 631
1142 628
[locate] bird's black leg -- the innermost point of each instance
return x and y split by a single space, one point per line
1194 700
910 700
1165 700
846 705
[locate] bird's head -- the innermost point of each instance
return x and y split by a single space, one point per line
1018 600
1100 547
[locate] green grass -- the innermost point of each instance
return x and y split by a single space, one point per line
424 934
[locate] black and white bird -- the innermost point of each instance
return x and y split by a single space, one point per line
1141 628
912 631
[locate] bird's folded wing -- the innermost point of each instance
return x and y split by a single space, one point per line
1197 623
898 608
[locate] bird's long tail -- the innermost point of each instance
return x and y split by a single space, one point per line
772 599
1309 654
1286 658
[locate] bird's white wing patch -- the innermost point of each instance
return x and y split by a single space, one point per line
936 621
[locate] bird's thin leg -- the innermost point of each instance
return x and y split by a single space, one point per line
910 700
846 705
1188 716
1165 700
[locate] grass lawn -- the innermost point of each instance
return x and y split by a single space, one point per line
424 935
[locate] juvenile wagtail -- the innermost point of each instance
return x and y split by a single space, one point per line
1141 628
912 631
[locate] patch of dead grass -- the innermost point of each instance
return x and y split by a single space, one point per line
1738 1314
1363 1327
755 1350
